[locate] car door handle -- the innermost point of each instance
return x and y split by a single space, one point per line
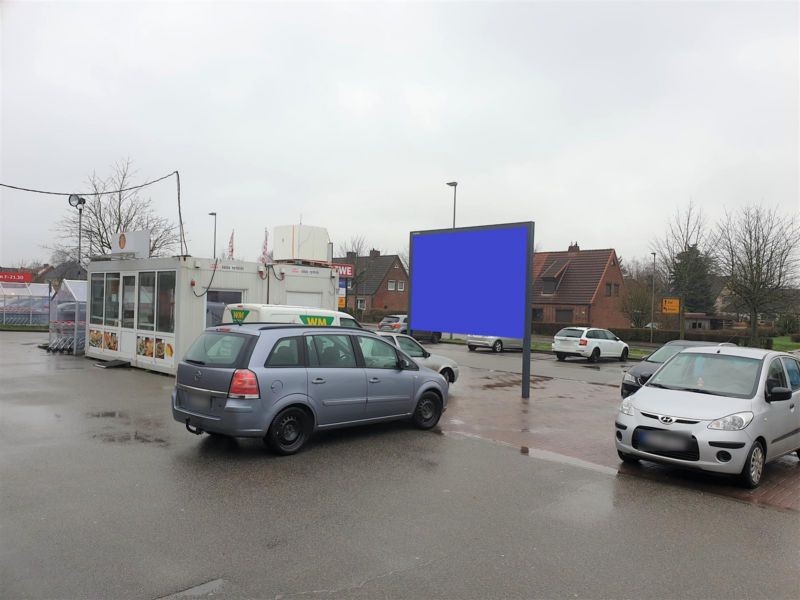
318 380
374 380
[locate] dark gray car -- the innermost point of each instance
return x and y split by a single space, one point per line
283 382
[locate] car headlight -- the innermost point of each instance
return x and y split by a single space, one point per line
626 407
735 422
628 378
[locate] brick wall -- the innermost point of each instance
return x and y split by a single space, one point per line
384 299
605 312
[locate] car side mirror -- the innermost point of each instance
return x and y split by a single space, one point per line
777 394
402 364
645 377
425 354
617 339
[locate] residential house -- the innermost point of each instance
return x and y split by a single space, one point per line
380 282
580 287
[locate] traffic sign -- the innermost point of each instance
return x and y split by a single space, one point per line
671 306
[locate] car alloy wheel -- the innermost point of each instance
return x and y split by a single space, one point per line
754 466
595 356
624 356
497 346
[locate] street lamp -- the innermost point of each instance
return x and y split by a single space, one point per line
213 214
76 201
653 301
453 184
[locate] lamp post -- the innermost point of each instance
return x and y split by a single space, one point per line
454 185
76 201
213 214
653 301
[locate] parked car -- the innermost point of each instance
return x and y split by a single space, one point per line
493 342
723 409
446 367
282 383
399 324
632 380
588 342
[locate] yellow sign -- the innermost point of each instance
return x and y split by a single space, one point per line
341 301
238 315
671 306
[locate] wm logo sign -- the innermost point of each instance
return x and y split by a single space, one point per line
318 321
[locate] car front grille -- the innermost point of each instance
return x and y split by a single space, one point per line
692 454
682 421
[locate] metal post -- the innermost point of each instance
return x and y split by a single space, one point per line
77 312
213 214
455 187
653 302
526 338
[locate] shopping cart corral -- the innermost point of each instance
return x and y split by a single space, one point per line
67 305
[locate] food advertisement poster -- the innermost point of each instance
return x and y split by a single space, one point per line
110 341
95 338
164 349
144 346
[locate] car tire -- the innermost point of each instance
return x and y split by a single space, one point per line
447 374
289 431
428 411
627 458
624 356
436 337
470 348
560 356
753 470
594 356
497 346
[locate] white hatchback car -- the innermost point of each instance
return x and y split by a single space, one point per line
446 367
588 342
723 409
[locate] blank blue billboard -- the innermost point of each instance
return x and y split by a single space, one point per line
471 280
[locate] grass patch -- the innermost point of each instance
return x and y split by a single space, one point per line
38 328
784 344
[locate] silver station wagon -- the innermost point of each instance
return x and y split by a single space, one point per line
724 409
283 382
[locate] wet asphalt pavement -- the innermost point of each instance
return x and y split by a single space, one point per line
103 495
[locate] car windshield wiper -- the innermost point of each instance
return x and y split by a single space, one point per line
698 391
194 362
660 385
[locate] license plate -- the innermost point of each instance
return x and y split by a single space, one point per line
657 440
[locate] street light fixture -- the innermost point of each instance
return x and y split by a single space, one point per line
653 301
76 201
213 214
454 185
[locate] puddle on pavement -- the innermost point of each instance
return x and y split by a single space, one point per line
536 383
108 414
124 438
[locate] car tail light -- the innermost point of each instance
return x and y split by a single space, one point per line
244 384
395 325
583 342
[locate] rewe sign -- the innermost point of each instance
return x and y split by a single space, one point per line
345 271
15 277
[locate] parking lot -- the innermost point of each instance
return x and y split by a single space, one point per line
104 495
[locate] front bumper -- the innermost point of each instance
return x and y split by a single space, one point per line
233 421
735 443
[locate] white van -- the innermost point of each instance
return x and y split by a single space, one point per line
275 313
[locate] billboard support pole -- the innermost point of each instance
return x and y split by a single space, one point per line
526 337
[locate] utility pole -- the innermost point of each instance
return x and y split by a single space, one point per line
76 201
653 301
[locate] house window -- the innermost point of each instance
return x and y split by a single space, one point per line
563 315
608 289
401 286
549 287
616 289
361 303
349 284
538 314
391 285
396 266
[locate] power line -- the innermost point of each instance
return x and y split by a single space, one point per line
184 247
95 193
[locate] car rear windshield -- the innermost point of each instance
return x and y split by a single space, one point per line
664 353
574 333
715 374
390 320
219 349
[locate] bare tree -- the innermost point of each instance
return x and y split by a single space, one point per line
405 258
108 212
356 243
685 257
636 302
757 250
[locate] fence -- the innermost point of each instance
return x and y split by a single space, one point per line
24 304
67 305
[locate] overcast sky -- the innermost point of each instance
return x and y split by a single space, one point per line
595 120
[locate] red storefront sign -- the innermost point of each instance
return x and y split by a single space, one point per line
345 271
15 277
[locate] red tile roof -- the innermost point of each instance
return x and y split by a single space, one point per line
578 275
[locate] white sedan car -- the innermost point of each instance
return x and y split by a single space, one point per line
723 409
588 342
446 367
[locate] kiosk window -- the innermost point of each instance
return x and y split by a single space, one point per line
166 302
215 304
147 295
128 301
112 300
98 299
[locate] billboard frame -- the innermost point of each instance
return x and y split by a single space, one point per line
530 227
